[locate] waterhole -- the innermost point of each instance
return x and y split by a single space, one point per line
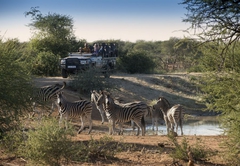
199 125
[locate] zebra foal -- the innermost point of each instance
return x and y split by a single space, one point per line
46 94
81 108
173 116
120 114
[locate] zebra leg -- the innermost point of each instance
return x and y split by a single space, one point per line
34 109
101 113
52 109
181 125
90 124
82 125
138 127
133 125
61 120
156 124
167 123
153 123
121 129
111 124
143 126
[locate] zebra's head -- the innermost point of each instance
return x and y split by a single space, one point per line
59 98
108 101
162 104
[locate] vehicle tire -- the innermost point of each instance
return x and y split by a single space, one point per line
64 73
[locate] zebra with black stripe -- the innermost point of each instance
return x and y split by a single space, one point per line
173 116
120 114
101 104
44 95
81 108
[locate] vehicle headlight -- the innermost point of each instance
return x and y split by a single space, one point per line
63 61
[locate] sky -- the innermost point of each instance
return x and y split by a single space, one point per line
126 20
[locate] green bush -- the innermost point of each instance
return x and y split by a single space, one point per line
88 80
12 140
15 81
46 64
181 150
136 62
48 144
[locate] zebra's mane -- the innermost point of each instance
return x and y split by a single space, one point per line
165 101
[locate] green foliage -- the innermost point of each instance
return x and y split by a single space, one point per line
91 79
54 32
16 87
46 64
181 150
221 93
12 140
136 62
48 144
214 20
221 57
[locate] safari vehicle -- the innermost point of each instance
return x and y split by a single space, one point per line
80 61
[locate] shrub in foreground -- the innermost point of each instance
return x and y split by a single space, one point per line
181 150
48 144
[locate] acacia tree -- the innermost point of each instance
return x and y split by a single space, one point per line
53 38
217 24
215 21
53 32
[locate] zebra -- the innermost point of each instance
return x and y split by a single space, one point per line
94 97
120 114
173 116
81 108
156 115
46 94
144 106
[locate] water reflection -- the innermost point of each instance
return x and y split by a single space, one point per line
204 125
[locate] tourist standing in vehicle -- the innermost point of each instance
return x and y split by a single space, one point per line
96 49
86 48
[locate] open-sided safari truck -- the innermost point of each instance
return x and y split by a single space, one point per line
103 58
